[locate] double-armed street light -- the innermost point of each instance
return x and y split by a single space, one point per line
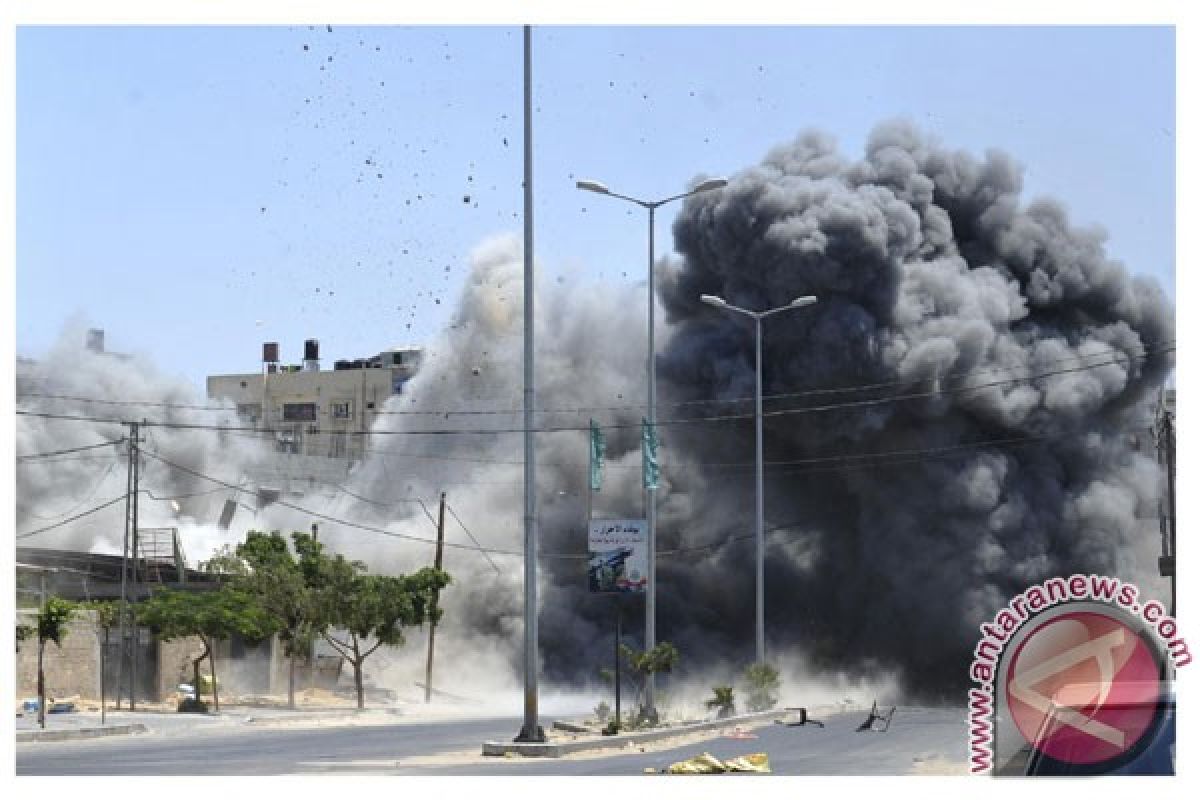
651 516
758 316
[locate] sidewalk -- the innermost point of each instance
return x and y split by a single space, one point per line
86 724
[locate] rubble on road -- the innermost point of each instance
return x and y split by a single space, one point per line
708 764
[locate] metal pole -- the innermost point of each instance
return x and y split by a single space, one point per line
125 567
530 731
103 662
1169 431
651 506
759 644
437 564
617 660
133 648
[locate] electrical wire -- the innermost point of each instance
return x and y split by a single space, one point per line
95 488
471 536
609 426
69 450
446 413
72 519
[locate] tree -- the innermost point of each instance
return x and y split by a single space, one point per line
722 701
52 621
273 578
225 564
762 683
106 616
211 616
661 658
372 610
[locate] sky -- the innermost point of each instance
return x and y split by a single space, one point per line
198 190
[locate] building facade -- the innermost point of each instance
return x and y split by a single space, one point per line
314 412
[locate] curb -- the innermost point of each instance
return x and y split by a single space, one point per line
79 733
338 715
556 749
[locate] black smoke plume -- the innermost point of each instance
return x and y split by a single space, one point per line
956 418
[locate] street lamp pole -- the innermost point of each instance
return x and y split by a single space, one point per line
760 654
651 395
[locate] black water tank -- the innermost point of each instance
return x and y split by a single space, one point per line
310 350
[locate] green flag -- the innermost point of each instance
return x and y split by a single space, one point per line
649 455
597 450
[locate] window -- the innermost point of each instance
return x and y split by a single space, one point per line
342 409
300 412
249 410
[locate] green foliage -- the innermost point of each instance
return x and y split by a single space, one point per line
644 663
375 607
722 701
108 612
762 683
661 658
217 614
373 610
273 578
52 619
225 563
24 632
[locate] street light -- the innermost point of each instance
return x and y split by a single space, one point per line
652 398
799 302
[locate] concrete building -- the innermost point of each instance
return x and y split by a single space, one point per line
314 412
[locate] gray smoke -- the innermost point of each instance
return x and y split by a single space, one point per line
932 278
1007 362
82 396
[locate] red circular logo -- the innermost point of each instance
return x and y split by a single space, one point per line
1083 687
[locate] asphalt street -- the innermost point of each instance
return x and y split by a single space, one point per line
920 740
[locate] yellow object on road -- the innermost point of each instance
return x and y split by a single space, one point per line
755 762
708 764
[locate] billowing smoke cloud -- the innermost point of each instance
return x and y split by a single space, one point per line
77 398
1006 360
952 421
932 279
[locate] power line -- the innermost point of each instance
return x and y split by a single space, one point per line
471 536
100 507
446 413
70 450
95 488
320 515
610 426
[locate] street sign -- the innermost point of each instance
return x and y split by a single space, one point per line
618 556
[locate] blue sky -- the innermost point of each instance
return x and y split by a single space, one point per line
198 190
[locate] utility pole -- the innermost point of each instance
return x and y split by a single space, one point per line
133 651
130 520
437 564
312 646
1169 564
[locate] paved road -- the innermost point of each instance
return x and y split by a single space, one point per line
918 737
